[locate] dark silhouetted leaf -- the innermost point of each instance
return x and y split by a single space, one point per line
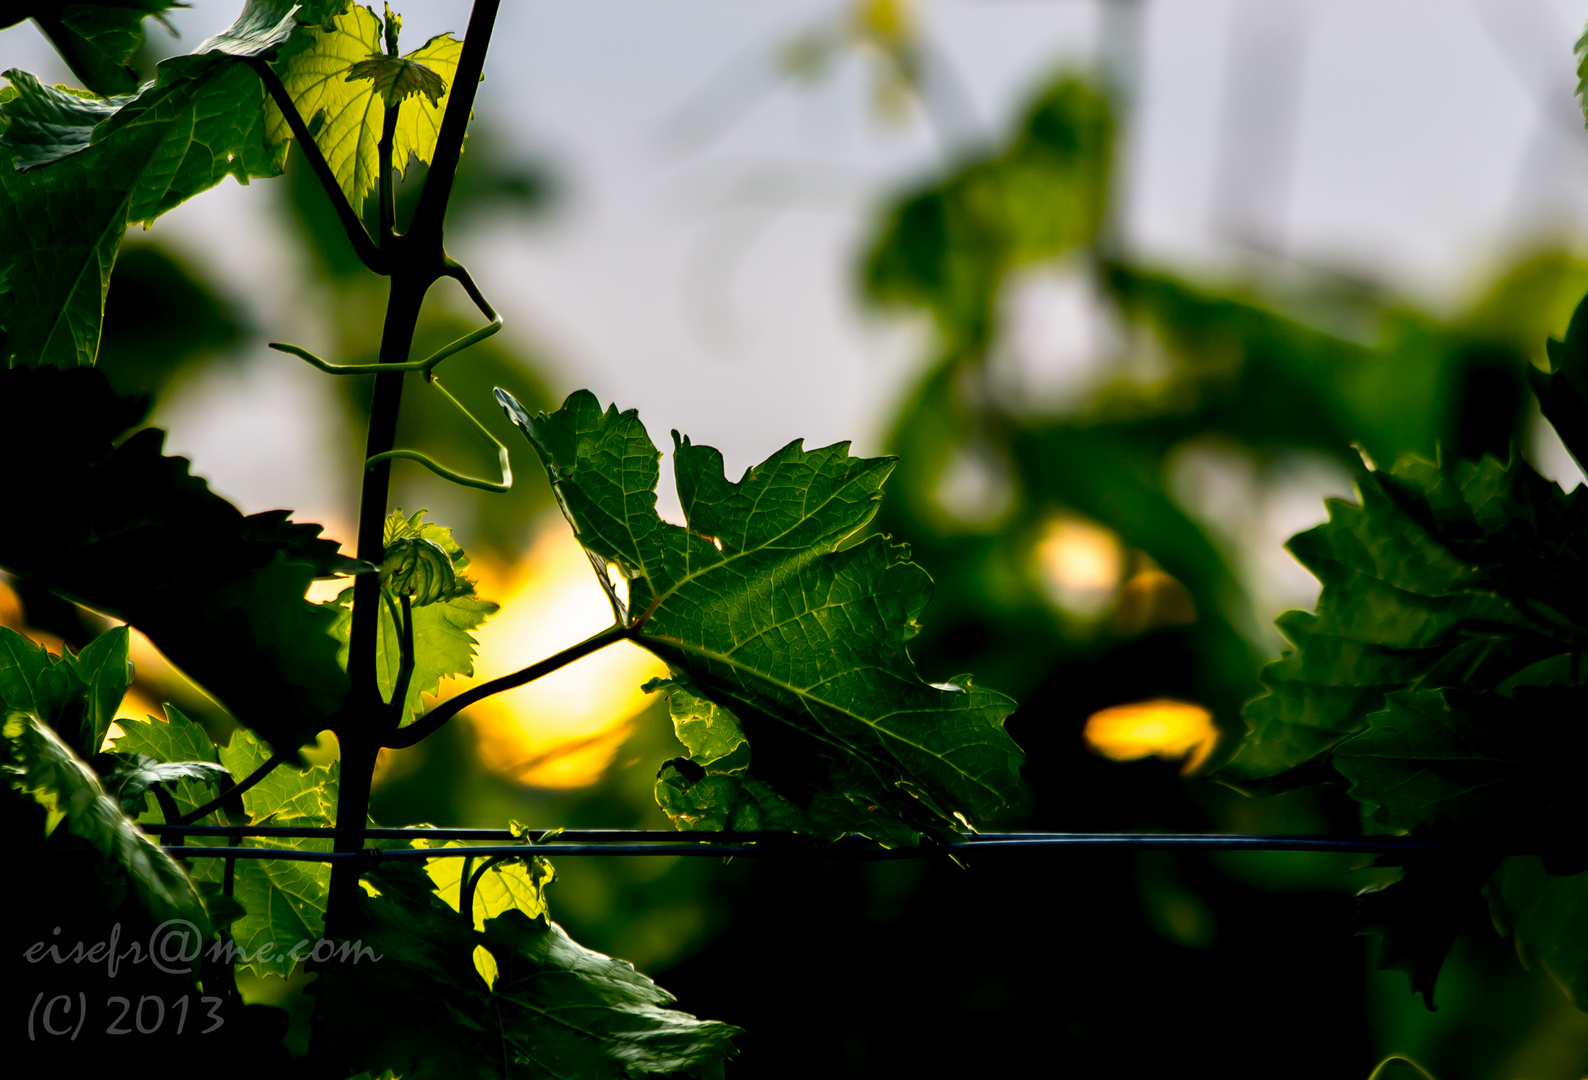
126 531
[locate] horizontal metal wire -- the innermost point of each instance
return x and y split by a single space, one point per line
611 842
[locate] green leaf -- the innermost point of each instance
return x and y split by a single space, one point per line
59 781
1457 574
285 901
95 39
419 569
568 1011
75 172
174 740
342 84
1488 766
1543 914
766 606
286 794
425 1010
397 79
443 644
134 774
1416 918
128 532
77 696
1563 391
711 790
949 248
516 885
1442 676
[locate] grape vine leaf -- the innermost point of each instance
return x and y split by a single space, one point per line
119 527
1453 760
443 644
569 1011
1562 392
57 779
425 1010
134 775
1441 675
1417 917
76 171
175 740
95 39
767 606
711 790
76 695
343 84
283 902
1458 574
1543 914
515 885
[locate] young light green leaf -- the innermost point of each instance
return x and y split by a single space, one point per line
342 83
95 39
443 644
75 172
129 532
58 780
517 885
765 607
287 794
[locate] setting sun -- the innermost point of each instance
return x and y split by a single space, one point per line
561 731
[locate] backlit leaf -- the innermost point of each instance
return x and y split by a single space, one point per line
340 83
765 606
76 171
443 644
285 901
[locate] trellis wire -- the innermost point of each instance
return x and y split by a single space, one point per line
646 842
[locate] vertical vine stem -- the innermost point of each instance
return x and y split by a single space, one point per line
415 260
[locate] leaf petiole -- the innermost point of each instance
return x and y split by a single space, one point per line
278 758
403 738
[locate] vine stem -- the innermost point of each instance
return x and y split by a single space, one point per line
247 782
415 260
432 720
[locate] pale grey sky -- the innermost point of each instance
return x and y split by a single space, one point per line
1412 140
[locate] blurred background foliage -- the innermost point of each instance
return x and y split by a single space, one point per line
1103 552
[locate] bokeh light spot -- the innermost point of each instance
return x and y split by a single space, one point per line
1161 727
